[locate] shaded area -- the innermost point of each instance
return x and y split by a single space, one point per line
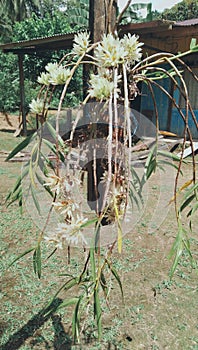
61 339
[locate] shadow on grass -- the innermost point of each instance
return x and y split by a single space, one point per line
62 341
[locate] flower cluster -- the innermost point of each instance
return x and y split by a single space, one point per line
132 48
81 43
71 234
37 106
56 75
101 87
44 79
110 54
70 230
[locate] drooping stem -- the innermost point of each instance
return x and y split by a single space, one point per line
127 119
109 147
116 120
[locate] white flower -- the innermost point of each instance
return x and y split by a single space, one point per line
67 208
54 182
51 67
110 52
44 79
81 43
70 233
101 87
58 74
37 106
132 48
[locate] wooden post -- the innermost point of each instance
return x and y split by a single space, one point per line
102 17
22 93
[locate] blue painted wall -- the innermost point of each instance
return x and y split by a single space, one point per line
164 105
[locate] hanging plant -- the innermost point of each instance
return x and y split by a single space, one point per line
97 148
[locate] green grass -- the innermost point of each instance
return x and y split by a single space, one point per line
156 314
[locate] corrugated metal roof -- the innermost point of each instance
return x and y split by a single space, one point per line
186 23
64 40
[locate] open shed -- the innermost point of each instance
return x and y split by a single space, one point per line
157 36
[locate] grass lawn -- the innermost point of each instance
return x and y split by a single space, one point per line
157 314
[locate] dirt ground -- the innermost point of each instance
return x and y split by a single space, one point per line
9 122
157 314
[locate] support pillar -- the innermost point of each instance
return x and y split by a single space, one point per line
22 93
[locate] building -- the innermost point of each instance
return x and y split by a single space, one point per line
158 37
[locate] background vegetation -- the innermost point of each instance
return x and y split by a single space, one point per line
23 20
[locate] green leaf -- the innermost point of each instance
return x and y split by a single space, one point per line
151 168
150 165
53 149
115 274
134 199
166 162
169 155
76 320
21 256
34 197
187 202
93 264
52 253
21 146
136 180
193 44
37 261
193 210
16 192
98 312
103 284
135 190
54 134
67 285
13 197
191 189
66 303
181 242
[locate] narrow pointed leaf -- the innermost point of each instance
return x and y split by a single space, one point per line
37 261
98 313
187 202
103 284
75 320
67 285
34 197
66 303
169 155
20 147
92 261
21 256
115 274
54 134
53 149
